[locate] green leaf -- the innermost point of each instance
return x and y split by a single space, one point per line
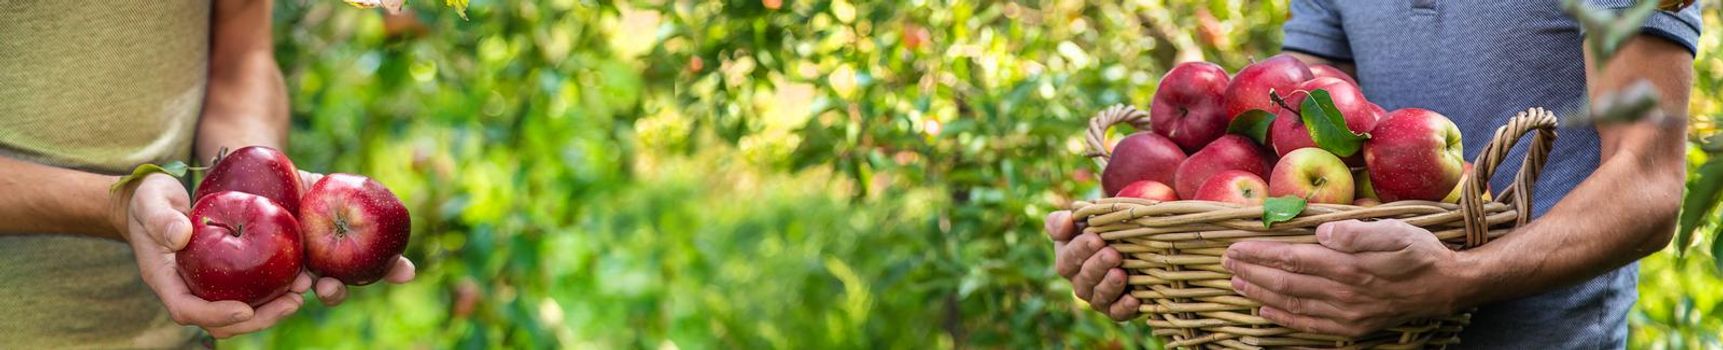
174 168
460 7
1699 201
1327 127
1253 124
1279 209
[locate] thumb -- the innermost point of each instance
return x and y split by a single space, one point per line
1059 226
1353 236
160 205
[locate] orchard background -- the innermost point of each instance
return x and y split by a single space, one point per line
765 173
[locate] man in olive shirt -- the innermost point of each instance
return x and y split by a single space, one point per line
89 90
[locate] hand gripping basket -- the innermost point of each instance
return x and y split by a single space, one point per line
1173 249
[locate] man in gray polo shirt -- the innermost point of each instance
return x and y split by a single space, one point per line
1608 196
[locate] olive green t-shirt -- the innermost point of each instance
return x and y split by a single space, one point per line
98 86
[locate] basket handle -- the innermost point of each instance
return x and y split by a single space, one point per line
1096 137
1519 194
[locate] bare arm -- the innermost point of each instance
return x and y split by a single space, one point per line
45 199
1639 181
247 100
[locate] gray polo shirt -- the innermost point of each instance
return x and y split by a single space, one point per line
1479 62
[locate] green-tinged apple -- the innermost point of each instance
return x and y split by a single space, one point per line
243 247
1454 196
1189 106
1361 179
1141 156
355 229
1151 190
1230 152
1414 154
1313 174
1234 186
1250 87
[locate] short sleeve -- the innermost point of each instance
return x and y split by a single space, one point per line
1315 29
1680 27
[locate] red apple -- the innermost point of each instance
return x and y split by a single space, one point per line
243 247
1323 70
354 228
1189 106
1150 190
1289 133
1414 154
1230 152
1141 156
256 170
1313 174
1234 186
1250 87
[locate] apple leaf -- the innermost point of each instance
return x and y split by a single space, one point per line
1327 127
1703 187
174 168
1280 209
1253 124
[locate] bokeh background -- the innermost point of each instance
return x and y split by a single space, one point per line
759 174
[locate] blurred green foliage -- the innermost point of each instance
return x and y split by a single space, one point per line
760 173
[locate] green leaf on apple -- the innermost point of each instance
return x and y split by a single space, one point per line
1327 127
1253 124
1703 188
1280 209
174 168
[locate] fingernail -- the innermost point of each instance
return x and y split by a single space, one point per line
1226 262
1237 283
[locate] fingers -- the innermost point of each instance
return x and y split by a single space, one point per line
1353 236
1306 259
1291 304
1308 324
159 205
162 276
1070 258
1127 308
1108 291
403 272
1278 281
1093 271
1059 226
331 291
267 316
301 283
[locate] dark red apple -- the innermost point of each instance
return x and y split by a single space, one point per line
1323 70
243 247
354 228
1141 156
1414 154
1249 88
256 170
1189 106
1230 152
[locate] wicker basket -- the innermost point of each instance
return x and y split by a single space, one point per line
1173 249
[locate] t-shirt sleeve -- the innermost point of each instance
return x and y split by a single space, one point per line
1315 29
1680 27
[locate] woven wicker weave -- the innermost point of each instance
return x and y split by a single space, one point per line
1173 249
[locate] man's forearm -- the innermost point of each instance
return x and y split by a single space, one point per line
45 199
247 99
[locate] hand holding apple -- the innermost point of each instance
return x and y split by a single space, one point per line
332 291
243 247
151 214
355 229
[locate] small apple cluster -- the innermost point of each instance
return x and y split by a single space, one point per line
1406 154
253 233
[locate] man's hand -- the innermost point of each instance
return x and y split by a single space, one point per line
151 215
1092 267
1362 277
331 291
